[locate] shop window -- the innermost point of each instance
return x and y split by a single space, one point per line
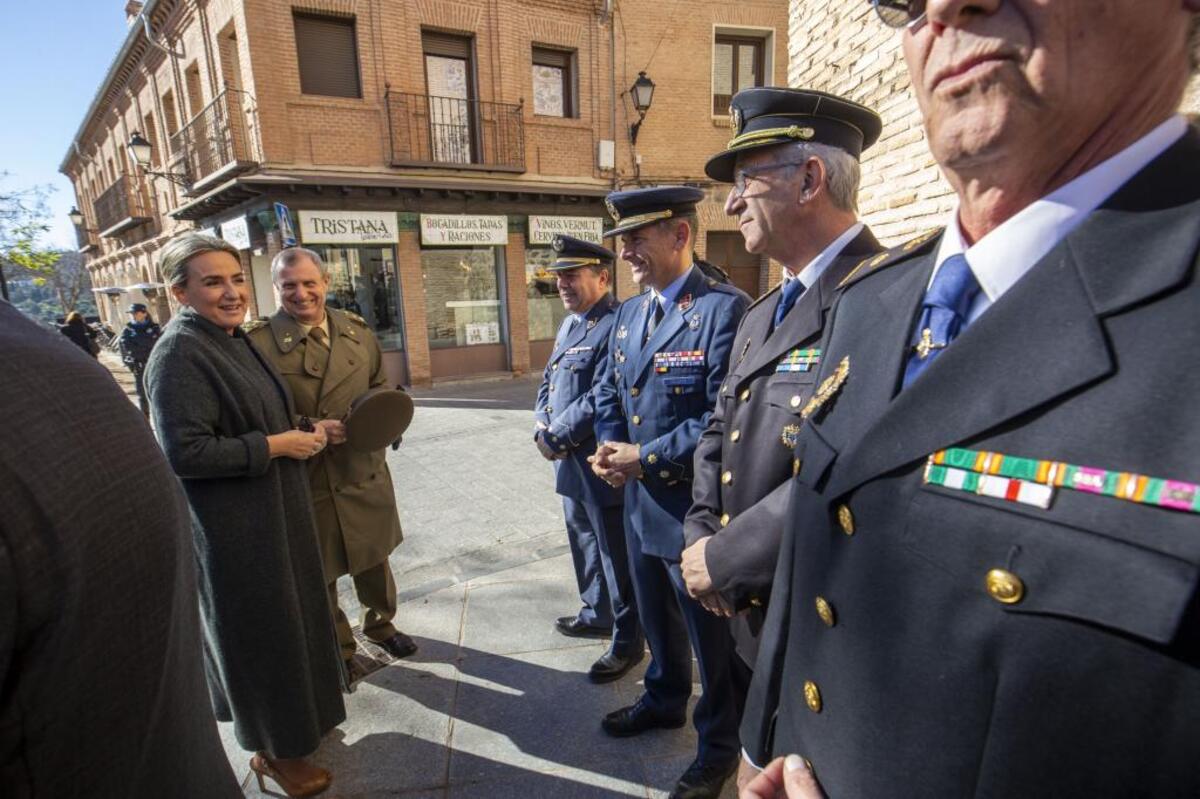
553 83
462 297
327 51
546 311
738 63
362 280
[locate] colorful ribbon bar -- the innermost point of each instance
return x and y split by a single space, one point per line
799 360
989 485
1156 491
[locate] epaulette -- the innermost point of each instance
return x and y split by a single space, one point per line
353 317
255 324
895 255
770 292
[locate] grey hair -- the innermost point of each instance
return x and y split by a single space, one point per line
288 257
693 223
843 173
175 255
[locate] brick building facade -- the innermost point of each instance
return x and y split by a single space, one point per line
840 46
426 147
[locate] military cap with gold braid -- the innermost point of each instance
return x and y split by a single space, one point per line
768 116
572 253
637 208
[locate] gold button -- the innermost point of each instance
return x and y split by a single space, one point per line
633 392
795 467
825 611
745 395
1005 587
552 387
794 401
724 519
652 458
727 478
637 420
756 602
735 435
846 519
664 474
812 696
678 390
554 367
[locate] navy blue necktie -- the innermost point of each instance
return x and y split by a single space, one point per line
792 289
943 314
656 316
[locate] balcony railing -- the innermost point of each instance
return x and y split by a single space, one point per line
219 140
455 133
123 205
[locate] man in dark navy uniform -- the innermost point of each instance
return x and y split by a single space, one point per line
988 585
136 341
669 348
565 415
793 163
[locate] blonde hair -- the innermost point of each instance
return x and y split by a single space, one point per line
174 257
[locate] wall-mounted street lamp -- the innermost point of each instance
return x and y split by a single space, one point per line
76 217
141 152
642 93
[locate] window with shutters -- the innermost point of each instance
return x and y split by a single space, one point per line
450 83
738 63
327 51
553 83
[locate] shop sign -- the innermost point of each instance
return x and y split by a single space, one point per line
348 227
237 232
452 230
483 333
543 229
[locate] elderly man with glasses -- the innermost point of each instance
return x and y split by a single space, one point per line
988 585
793 163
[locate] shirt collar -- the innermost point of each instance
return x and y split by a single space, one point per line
812 272
306 329
1004 255
667 296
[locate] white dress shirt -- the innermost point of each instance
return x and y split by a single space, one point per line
813 270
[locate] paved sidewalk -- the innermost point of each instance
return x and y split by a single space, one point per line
495 703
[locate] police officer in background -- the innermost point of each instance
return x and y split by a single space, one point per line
669 350
793 163
329 358
136 341
564 416
989 581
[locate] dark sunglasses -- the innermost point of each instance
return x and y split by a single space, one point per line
899 13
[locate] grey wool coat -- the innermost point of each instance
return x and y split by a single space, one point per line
271 656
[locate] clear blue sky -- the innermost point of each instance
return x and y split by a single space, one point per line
53 55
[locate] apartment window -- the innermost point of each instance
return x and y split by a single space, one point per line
553 83
195 95
149 132
738 63
327 50
170 115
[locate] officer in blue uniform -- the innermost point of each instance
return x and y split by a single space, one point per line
563 434
670 349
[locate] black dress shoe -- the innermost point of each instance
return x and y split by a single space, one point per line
636 719
703 781
572 626
398 645
611 667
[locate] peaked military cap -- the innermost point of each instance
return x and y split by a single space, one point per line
572 253
137 306
637 208
770 115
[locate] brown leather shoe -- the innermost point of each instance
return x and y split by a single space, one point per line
295 776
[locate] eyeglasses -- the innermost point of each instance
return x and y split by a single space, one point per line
900 13
742 177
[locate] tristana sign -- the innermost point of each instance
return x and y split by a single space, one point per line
451 230
348 227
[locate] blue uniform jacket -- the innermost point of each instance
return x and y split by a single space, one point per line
566 403
661 395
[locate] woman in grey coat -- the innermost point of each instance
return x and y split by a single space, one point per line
223 419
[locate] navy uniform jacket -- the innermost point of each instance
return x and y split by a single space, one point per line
661 396
903 656
566 403
752 434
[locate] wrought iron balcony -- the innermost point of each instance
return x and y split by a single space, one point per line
123 205
220 140
454 133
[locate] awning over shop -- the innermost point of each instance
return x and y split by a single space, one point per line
110 290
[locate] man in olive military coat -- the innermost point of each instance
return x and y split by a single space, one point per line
989 581
793 163
329 358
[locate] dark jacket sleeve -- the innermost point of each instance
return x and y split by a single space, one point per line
186 405
741 557
543 396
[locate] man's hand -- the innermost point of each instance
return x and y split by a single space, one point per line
715 604
624 458
547 451
695 569
783 778
335 431
602 465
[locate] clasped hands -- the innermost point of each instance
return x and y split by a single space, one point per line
699 581
616 462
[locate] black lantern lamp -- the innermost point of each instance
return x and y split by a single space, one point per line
642 93
141 151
